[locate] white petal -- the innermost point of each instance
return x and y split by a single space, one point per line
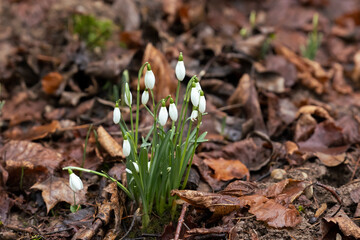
149 79
126 148
128 95
128 171
163 116
75 182
136 166
116 115
198 86
180 70
149 164
195 95
202 104
173 112
194 115
145 97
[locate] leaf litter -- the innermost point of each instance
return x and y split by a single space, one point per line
280 125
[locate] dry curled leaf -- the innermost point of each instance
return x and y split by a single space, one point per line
330 160
55 190
239 188
109 143
37 132
346 225
226 170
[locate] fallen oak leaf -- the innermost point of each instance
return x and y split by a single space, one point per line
109 143
346 225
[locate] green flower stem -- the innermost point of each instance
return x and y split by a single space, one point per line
138 101
131 120
182 114
185 148
193 153
74 200
155 129
151 113
103 175
176 100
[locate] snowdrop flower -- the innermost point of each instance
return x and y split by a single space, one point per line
136 166
197 85
126 147
180 68
173 110
128 95
116 113
202 102
75 182
128 171
194 114
163 114
149 164
149 78
145 97
195 96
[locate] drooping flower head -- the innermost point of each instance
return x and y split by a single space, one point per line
163 114
194 114
180 71
173 112
128 95
149 78
116 113
126 146
195 96
202 102
75 182
145 97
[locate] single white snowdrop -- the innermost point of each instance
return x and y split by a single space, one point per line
126 147
202 102
180 68
149 78
145 97
163 114
149 165
173 110
136 166
75 182
198 86
194 114
128 95
195 96
116 113
128 171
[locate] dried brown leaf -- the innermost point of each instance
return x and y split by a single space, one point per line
346 225
55 190
51 82
338 82
239 188
38 132
37 161
330 160
315 111
109 143
226 170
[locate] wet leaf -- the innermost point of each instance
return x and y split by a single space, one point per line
109 143
51 82
226 170
285 68
239 188
38 132
37 162
55 190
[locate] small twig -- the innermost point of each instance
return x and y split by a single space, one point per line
136 214
355 169
333 192
181 220
58 231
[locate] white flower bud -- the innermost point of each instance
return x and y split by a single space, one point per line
173 112
75 182
145 97
116 115
126 147
128 171
194 115
202 104
180 70
149 79
163 116
128 95
149 165
195 95
136 166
